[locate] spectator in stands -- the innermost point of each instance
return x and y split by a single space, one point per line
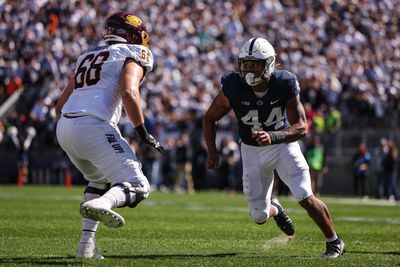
319 121
360 162
230 155
315 156
22 135
167 166
199 169
390 167
183 165
333 121
310 114
377 160
150 164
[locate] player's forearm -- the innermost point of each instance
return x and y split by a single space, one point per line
64 97
292 134
295 132
133 109
210 133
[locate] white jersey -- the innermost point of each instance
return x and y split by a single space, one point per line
97 76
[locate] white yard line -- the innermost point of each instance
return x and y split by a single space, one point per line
360 201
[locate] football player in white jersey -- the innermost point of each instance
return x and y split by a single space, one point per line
107 78
271 119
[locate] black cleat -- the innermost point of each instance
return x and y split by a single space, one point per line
334 249
282 220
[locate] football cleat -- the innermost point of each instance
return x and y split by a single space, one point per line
282 220
87 251
334 249
95 211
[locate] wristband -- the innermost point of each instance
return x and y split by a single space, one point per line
142 132
277 137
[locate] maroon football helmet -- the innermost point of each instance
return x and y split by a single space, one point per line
124 27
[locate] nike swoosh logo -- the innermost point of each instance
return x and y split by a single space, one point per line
273 102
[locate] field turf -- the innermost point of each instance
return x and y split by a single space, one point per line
40 226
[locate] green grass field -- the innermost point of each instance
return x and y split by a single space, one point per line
41 226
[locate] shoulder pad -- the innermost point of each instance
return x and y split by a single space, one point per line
139 53
229 76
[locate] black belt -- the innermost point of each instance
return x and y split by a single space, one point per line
73 116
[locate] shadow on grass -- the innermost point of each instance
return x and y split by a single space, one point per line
374 252
172 256
40 261
71 260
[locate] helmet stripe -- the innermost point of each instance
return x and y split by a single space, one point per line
251 46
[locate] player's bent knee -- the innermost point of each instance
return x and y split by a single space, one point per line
308 202
134 193
259 216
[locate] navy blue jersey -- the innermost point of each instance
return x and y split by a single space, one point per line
267 113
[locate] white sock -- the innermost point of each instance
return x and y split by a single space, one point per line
115 197
333 238
89 228
276 210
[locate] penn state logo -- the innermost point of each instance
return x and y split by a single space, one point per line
259 102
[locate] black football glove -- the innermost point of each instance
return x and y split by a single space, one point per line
147 138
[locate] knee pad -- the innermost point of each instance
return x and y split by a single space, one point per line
93 191
134 193
259 216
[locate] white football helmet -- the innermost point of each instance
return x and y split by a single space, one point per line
261 50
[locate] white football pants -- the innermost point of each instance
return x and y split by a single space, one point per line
258 166
99 151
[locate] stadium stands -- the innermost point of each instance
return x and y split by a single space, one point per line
345 53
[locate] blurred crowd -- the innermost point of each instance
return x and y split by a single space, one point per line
346 55
381 163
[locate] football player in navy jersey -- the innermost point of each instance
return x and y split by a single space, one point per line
271 119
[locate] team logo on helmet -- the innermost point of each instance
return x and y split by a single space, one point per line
133 20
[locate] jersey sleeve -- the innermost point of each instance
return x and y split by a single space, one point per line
225 84
140 54
294 86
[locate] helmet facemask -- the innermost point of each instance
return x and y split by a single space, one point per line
250 78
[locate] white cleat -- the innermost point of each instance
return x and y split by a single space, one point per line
95 211
87 251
